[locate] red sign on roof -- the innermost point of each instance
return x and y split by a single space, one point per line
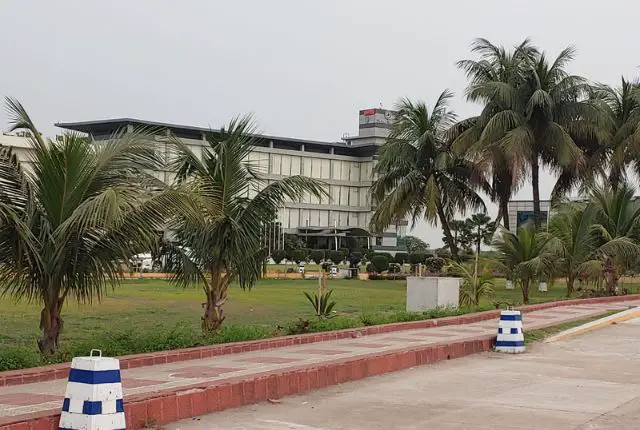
369 112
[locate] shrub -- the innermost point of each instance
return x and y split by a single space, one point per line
336 257
380 263
370 269
417 257
394 268
387 276
12 358
307 253
386 254
435 264
325 307
401 257
277 256
355 258
298 256
317 255
345 253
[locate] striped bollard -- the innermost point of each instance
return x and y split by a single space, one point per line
93 400
510 335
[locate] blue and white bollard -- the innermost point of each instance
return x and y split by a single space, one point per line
93 400
510 335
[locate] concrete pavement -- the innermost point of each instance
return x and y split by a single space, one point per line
591 381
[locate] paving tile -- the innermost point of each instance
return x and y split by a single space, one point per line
27 399
202 372
137 383
321 351
271 360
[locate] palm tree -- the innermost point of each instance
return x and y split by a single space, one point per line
526 255
580 245
539 114
418 173
617 216
496 67
621 108
473 287
222 241
70 219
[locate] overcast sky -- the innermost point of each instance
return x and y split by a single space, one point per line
304 68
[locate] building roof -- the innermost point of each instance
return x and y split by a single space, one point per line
110 126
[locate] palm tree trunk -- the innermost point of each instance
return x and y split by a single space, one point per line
610 276
50 325
535 184
216 297
504 211
570 281
447 232
525 292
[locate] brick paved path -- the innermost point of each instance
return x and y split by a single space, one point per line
18 401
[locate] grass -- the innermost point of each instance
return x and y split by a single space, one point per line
543 333
146 315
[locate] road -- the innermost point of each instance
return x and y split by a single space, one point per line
587 382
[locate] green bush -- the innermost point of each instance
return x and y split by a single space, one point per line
336 257
401 258
380 263
386 254
355 258
298 256
277 256
394 268
12 358
435 264
345 253
417 257
317 255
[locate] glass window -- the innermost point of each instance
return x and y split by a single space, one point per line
306 167
285 169
354 172
325 172
364 197
336 165
344 196
294 218
353 196
344 171
276 164
335 194
324 218
295 165
316 168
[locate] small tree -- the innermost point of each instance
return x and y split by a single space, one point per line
317 255
298 255
278 255
380 263
435 265
355 258
417 258
401 257
345 253
336 257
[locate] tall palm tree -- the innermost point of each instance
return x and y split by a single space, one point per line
526 255
621 108
418 173
539 114
495 67
222 241
617 214
72 217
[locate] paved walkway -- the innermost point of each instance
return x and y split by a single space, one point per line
44 396
587 382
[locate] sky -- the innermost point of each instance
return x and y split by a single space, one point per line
303 68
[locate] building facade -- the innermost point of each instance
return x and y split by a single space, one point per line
346 167
521 212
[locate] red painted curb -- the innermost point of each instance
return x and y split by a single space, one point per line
61 371
175 404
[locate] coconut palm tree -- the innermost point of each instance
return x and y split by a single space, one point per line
526 255
582 249
495 67
418 174
621 108
223 242
473 287
73 215
539 114
617 216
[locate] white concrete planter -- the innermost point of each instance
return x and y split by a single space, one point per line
542 287
424 293
509 285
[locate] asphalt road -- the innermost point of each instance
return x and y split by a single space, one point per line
588 382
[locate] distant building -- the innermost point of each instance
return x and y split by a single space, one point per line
345 166
20 144
521 211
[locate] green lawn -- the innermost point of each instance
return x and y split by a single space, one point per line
148 307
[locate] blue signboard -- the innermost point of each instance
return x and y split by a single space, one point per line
525 216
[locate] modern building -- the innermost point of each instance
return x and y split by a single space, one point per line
521 212
20 144
345 166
